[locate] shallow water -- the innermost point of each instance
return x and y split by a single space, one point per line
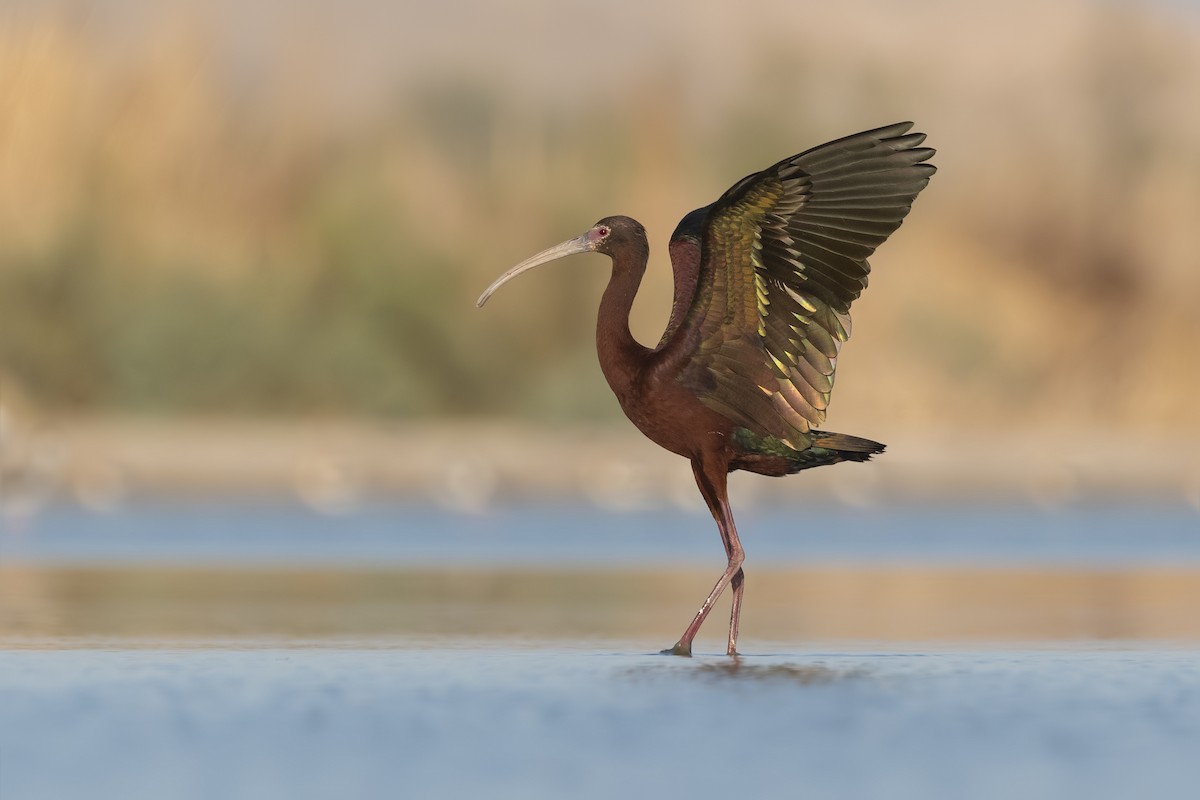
577 535
579 722
263 652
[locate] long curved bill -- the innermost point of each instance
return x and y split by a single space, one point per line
579 244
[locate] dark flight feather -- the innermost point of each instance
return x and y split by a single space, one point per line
783 255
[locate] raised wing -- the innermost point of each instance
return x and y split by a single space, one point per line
784 255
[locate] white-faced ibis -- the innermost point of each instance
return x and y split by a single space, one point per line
764 279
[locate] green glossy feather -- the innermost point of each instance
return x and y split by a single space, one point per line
784 254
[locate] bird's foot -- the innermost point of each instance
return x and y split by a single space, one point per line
680 649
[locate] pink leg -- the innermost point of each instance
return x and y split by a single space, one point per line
713 482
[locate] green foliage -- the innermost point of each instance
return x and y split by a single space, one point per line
365 316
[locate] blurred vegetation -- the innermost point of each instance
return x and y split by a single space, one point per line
181 240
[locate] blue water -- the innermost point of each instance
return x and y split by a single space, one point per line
390 717
220 534
531 724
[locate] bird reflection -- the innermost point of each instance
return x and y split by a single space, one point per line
743 669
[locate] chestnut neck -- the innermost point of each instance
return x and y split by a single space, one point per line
620 354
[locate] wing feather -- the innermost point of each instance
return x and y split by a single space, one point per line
784 255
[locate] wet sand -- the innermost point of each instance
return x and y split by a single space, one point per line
80 606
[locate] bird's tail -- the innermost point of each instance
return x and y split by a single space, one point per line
851 448
830 448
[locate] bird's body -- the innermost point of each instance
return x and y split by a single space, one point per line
651 387
764 279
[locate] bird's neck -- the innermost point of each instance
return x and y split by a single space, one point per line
620 354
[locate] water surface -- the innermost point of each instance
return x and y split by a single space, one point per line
573 535
597 723
259 651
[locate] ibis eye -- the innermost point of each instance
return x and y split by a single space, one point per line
602 231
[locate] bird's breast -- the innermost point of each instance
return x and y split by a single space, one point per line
671 416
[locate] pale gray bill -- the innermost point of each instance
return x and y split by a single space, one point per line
579 244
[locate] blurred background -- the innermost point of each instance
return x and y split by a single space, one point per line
241 244
217 215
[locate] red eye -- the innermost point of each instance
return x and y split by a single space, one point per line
602 231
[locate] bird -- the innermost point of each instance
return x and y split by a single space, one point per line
764 280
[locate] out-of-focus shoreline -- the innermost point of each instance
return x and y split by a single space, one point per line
333 466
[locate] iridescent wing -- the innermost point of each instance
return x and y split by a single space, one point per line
784 255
